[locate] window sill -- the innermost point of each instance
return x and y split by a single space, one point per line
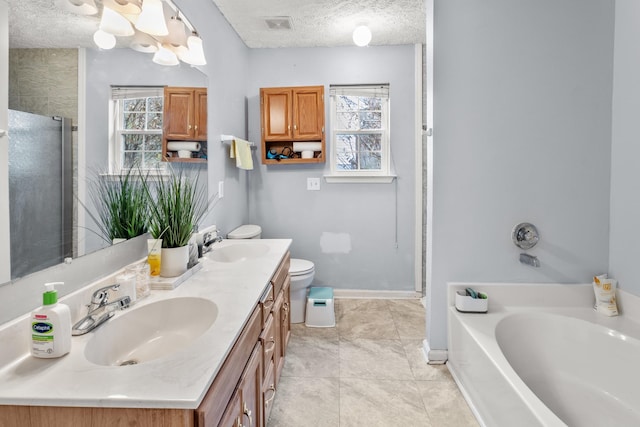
384 179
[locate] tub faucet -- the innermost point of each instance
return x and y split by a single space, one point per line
531 260
100 310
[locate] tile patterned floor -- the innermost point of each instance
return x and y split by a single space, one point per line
367 371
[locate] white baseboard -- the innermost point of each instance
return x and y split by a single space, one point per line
372 294
434 357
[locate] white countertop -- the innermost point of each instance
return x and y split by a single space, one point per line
178 380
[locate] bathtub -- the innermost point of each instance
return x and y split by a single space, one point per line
542 356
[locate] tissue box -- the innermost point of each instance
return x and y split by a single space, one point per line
466 304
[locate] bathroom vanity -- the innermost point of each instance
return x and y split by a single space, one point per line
218 367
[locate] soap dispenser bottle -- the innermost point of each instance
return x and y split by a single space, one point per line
50 326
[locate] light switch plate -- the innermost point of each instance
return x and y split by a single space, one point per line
313 184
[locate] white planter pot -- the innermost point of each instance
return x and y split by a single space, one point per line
174 261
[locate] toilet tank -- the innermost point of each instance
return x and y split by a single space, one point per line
247 231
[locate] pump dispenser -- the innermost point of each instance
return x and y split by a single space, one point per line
50 326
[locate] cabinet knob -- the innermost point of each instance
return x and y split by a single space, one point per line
295 127
190 127
196 127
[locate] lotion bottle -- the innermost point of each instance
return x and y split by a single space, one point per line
50 326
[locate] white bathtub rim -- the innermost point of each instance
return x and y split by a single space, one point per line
574 301
489 346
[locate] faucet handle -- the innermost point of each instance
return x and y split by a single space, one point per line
101 296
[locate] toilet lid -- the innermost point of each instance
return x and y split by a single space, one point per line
300 266
246 231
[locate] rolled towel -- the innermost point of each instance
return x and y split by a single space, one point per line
192 146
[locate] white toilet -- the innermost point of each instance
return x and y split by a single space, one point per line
300 270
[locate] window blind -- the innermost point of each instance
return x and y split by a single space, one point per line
129 92
376 90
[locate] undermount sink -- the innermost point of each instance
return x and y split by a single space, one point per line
151 331
236 252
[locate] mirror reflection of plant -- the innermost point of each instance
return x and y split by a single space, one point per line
121 203
176 204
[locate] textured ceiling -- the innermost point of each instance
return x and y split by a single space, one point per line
41 23
325 22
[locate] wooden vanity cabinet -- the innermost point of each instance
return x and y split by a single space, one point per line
291 114
241 394
185 119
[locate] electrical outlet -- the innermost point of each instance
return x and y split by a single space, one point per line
220 189
313 184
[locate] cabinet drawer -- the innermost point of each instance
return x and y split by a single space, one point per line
269 390
266 304
281 274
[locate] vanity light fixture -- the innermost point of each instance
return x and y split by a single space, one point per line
143 42
151 19
195 54
177 38
104 40
362 35
114 23
165 56
124 7
79 7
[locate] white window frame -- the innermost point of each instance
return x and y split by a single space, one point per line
382 175
118 95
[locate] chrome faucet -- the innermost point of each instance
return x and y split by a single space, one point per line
208 240
100 310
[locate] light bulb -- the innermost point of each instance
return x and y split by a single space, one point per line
362 35
165 56
195 55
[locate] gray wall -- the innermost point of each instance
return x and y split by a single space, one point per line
522 131
363 214
625 151
228 69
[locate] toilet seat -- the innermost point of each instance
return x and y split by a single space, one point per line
300 267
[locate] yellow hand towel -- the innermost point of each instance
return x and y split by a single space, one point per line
241 151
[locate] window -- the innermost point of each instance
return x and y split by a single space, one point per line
360 132
137 128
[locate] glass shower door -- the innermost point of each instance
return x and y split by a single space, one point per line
38 211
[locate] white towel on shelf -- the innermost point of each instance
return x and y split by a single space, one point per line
241 151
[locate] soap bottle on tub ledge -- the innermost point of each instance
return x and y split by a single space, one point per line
50 326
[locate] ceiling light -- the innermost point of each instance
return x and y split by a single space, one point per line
164 56
151 19
80 7
279 23
104 40
124 7
195 55
362 35
114 23
177 35
143 42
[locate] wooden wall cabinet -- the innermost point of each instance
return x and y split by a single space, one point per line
291 114
185 119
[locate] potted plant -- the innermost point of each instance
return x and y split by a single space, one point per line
121 205
176 204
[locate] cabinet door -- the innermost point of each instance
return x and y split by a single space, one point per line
200 129
251 385
278 357
232 416
308 113
178 113
285 318
276 114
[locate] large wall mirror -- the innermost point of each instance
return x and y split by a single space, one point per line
60 90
